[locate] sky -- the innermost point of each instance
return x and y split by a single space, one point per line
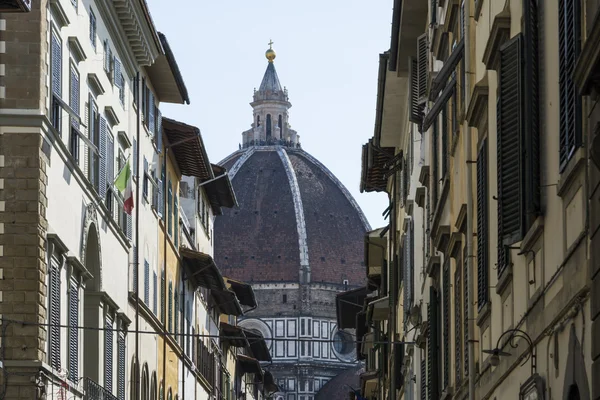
327 57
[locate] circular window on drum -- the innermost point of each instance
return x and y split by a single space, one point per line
343 345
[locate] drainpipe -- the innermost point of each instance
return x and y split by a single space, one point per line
393 292
469 180
164 281
137 251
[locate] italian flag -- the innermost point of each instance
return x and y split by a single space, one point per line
124 184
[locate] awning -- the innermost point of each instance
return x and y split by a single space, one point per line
201 268
347 305
373 169
234 335
227 302
375 252
244 292
258 345
380 309
250 365
186 144
219 190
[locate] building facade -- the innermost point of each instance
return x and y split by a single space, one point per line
484 141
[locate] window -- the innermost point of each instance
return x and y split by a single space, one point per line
280 124
122 359
176 221
154 294
73 355
162 296
170 209
54 319
446 322
108 59
146 283
268 126
56 82
433 345
258 120
176 322
145 181
93 28
482 227
569 28
74 100
108 354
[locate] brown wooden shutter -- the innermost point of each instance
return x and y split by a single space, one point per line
422 47
416 109
482 226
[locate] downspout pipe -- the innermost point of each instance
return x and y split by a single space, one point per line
137 392
470 221
393 293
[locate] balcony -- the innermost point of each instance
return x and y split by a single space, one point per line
94 391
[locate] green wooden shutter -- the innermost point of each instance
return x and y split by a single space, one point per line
446 322
482 227
176 297
55 320
423 379
569 28
155 294
416 109
510 157
422 66
433 345
73 331
162 296
170 315
170 209
176 220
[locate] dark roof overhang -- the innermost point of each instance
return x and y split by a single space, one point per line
233 335
165 76
258 345
348 304
220 190
227 302
8 6
373 169
186 144
201 268
250 365
244 292
361 331
412 21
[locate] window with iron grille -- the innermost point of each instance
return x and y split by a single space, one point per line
108 354
54 320
569 46
482 227
73 331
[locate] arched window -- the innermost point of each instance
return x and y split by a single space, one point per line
153 387
161 391
280 122
170 395
258 120
144 387
268 126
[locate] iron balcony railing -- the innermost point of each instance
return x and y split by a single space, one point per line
94 391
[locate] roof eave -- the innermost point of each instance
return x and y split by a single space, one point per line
166 77
185 142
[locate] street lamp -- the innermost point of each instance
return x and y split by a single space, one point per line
496 353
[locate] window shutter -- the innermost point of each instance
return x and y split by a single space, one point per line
122 359
458 339
154 294
146 283
145 178
56 65
159 130
423 379
122 89
406 272
108 354
129 223
416 109
429 352
466 299
110 160
134 267
86 153
134 165
161 193
117 72
73 331
55 296
176 220
170 209
422 67
176 297
93 29
446 322
74 98
151 115
102 149
570 103
510 133
482 226
433 350
107 55
445 138
170 311
434 166
433 12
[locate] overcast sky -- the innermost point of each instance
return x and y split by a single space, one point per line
327 57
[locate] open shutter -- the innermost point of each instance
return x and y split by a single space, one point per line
162 296
445 138
110 160
570 103
135 269
146 283
176 220
86 150
56 65
134 157
74 98
155 294
103 147
170 311
510 149
73 332
423 379
482 226
159 131
422 66
467 285
108 354
176 322
458 339
416 109
434 165
55 315
117 80
433 350
433 12
446 322
129 228
430 346
145 179
151 110
122 359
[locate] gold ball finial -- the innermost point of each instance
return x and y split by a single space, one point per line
270 54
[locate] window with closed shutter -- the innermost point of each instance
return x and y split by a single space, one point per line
146 283
170 209
56 82
162 296
176 220
151 110
155 294
170 315
108 354
433 372
73 331
446 322
176 297
423 379
482 226
458 339
54 320
122 359
569 47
